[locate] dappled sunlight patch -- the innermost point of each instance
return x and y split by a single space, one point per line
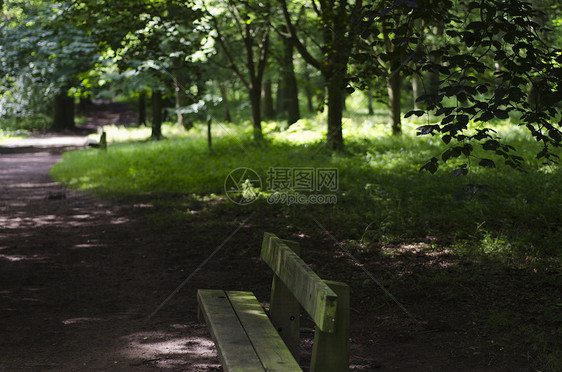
421 254
17 204
88 245
29 185
302 132
143 205
18 222
170 350
16 258
413 247
119 220
80 320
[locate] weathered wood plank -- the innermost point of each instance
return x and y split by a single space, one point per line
284 310
330 352
235 349
267 343
319 301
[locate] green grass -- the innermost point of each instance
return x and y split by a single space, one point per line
11 128
382 196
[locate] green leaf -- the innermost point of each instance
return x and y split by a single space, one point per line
456 152
502 114
418 113
467 149
446 155
462 120
482 89
447 119
491 145
426 129
444 111
431 166
488 163
486 116
461 171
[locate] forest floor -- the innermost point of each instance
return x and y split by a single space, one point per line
80 276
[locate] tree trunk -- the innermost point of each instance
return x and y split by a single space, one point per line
338 38
84 104
416 91
291 83
334 101
434 76
281 100
209 137
255 103
64 111
417 80
308 90
370 101
142 108
268 111
394 96
180 101
156 115
224 102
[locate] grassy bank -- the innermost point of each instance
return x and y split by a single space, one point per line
381 195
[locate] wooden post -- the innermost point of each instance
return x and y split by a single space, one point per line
284 310
330 352
103 141
209 138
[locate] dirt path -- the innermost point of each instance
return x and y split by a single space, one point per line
78 276
70 297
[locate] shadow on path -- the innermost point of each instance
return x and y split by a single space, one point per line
77 278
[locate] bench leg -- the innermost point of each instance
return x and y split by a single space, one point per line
330 352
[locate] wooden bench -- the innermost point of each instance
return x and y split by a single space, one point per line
247 339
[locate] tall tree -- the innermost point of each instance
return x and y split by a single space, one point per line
282 70
154 40
245 26
336 20
290 80
59 53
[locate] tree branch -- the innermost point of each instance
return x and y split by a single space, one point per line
222 43
239 21
295 40
264 47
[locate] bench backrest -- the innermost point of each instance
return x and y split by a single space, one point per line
314 295
327 302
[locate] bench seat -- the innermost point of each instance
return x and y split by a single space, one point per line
245 338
